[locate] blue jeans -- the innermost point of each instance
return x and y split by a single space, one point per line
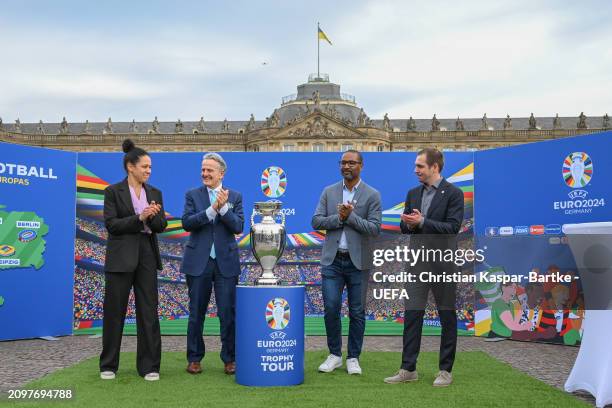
335 276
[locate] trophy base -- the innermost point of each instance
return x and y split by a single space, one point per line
267 281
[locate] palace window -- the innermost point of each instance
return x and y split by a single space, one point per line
318 147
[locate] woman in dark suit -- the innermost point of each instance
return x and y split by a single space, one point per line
133 214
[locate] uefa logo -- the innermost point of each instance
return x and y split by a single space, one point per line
577 169
278 314
273 182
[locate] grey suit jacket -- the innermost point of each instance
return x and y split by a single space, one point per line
362 224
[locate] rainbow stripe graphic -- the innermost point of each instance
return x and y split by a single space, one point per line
90 202
464 179
312 239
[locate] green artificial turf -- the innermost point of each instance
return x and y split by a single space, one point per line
313 326
480 381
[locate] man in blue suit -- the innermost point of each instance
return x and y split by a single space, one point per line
213 215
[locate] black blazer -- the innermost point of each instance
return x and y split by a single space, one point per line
124 227
445 213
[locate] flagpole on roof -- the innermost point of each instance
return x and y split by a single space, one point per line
318 49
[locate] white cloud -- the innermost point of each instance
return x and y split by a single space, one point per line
404 58
56 71
479 57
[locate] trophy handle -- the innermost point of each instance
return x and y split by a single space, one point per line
253 217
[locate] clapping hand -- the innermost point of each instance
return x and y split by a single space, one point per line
151 211
413 219
344 210
222 197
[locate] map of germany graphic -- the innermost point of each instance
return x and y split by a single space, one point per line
22 243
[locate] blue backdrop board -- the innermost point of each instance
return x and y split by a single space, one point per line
524 195
295 178
300 178
37 210
269 335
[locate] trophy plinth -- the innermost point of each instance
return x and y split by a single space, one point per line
268 239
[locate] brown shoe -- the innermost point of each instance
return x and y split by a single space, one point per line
230 368
194 368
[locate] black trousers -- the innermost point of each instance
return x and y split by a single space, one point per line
116 296
444 295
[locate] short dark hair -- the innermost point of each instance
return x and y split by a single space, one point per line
433 156
132 153
357 152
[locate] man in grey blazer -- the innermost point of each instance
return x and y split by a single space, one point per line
350 212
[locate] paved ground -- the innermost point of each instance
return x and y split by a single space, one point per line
25 360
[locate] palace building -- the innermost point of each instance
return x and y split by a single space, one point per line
317 118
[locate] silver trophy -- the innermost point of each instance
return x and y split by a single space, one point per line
268 239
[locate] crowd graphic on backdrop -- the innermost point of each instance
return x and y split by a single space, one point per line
547 312
297 266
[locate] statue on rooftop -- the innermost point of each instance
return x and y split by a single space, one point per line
532 122
361 118
507 123
484 125
155 125
108 128
582 121
411 124
201 126
64 126
386 122
459 124
40 128
274 119
251 125
557 122
435 123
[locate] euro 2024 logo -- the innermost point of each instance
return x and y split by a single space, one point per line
577 172
278 314
273 182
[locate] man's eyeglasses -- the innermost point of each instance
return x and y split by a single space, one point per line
350 163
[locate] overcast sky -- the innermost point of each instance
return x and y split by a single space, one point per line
185 59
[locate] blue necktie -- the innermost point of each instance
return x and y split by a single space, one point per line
213 199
